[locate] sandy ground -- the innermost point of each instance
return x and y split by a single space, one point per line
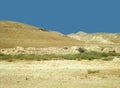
60 74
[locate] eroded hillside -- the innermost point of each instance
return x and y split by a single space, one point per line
98 38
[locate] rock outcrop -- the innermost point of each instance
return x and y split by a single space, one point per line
98 38
56 50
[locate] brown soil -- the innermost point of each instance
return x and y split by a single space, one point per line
14 34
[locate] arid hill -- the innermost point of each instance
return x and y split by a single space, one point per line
97 38
14 34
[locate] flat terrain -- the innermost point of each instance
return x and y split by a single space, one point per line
60 74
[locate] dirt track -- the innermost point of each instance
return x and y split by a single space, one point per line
60 74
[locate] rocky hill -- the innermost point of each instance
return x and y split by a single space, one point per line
97 38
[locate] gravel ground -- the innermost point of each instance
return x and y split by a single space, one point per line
60 74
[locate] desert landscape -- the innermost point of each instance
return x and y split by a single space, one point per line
32 57
60 74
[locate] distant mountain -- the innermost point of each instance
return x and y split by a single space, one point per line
97 38
14 34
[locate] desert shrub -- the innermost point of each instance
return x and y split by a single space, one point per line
65 48
42 29
117 54
6 57
92 71
104 54
107 54
10 60
87 56
69 56
81 50
107 59
19 57
114 54
90 55
1 54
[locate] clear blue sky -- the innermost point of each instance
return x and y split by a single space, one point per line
65 16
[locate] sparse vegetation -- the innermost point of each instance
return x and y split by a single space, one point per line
92 71
14 34
81 56
107 58
81 50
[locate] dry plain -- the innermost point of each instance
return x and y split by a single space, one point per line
60 74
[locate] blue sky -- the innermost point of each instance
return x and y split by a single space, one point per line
66 16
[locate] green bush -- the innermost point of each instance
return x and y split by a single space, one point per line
104 54
5 57
89 56
69 56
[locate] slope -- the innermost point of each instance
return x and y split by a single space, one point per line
97 38
14 34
